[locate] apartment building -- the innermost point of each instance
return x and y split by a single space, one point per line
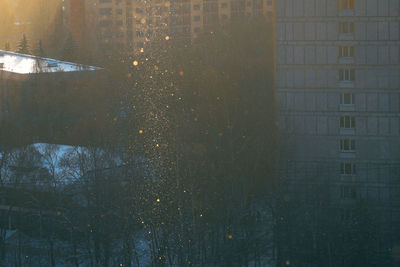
338 88
133 24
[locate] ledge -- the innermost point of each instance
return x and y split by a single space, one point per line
344 107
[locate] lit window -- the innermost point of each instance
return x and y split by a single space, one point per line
346 51
347 145
348 169
346 27
347 99
346 4
346 75
347 122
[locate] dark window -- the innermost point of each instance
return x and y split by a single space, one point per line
347 168
347 122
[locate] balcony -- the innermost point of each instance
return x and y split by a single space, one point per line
346 60
347 131
348 36
347 107
346 84
347 154
346 13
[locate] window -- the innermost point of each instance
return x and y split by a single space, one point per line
269 2
347 75
196 7
346 4
348 169
139 10
346 51
347 145
196 18
348 191
347 122
105 23
346 27
224 5
119 11
347 99
104 1
105 11
224 17
139 34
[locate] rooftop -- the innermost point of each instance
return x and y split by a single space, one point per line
27 64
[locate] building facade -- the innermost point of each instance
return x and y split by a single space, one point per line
133 24
338 88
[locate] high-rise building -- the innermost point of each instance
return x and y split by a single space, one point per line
339 91
133 24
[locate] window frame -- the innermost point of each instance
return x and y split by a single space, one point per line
347 75
347 145
346 27
348 191
345 166
346 51
346 4
343 99
347 122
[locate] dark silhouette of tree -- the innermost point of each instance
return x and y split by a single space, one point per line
39 51
7 47
23 46
70 49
